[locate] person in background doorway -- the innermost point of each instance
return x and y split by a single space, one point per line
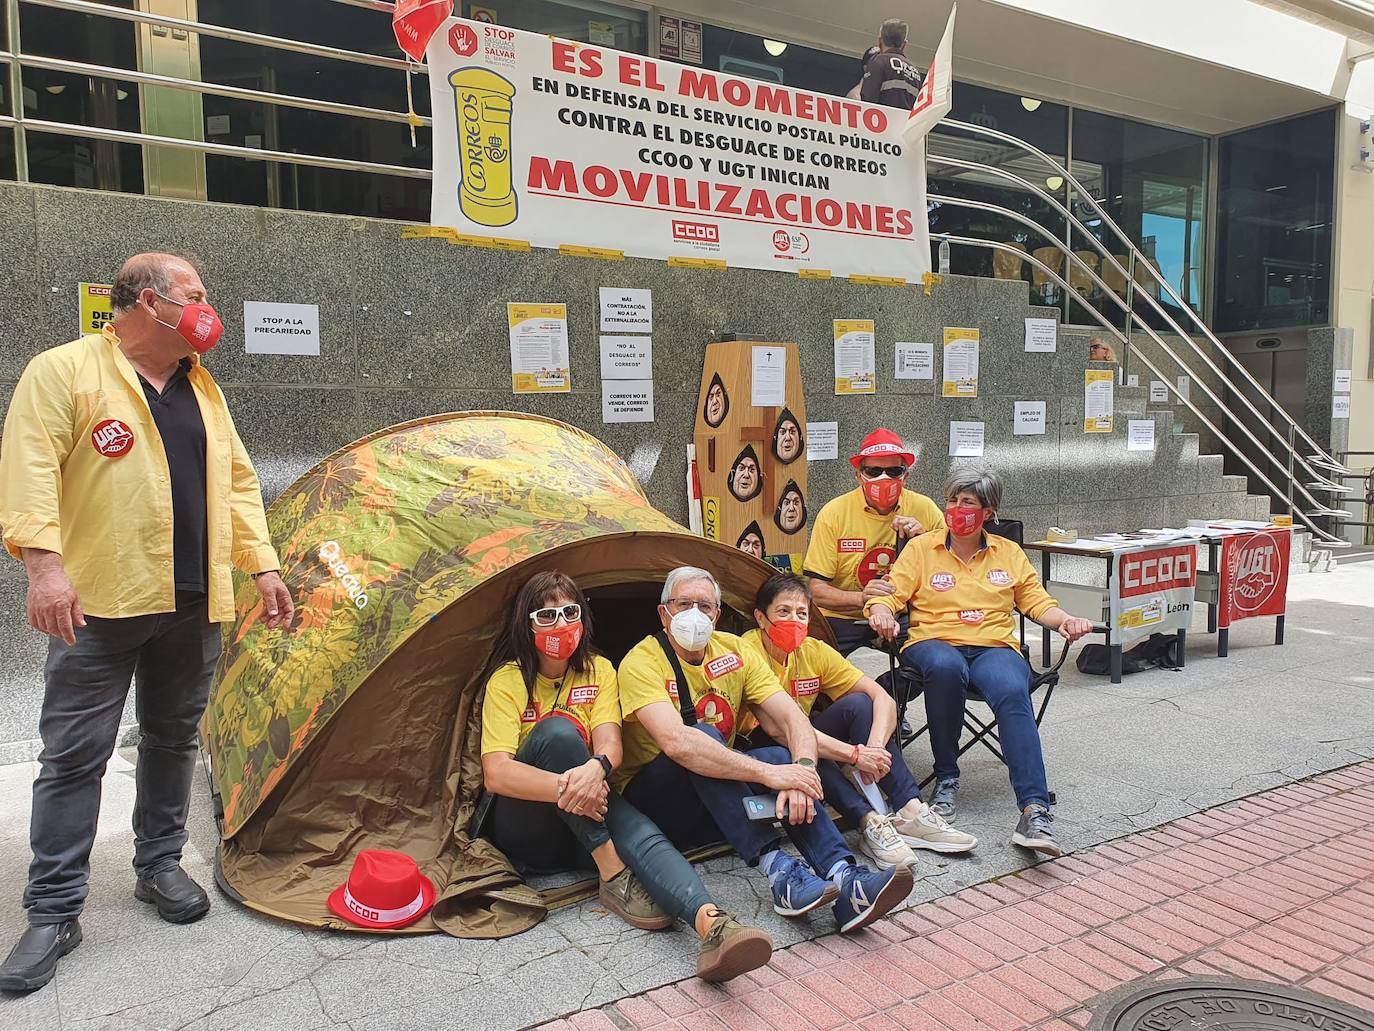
961 587
888 78
550 743
1099 350
854 539
856 91
128 496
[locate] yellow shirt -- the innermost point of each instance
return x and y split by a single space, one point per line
83 473
851 544
509 712
812 670
730 676
964 604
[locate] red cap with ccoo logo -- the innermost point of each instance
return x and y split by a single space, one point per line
882 444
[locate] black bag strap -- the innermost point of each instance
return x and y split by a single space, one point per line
684 690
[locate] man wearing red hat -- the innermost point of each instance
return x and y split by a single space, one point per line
854 540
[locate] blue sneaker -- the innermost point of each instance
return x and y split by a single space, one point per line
796 890
869 894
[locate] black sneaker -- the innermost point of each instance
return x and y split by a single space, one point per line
33 961
1034 832
942 799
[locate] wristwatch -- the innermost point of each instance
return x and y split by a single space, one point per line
605 764
810 764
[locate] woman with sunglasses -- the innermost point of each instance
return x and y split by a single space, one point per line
550 740
854 538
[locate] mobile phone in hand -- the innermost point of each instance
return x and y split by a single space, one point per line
761 807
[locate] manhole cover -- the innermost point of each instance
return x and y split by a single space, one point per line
1216 1003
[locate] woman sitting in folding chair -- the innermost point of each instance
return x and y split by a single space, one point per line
856 731
961 587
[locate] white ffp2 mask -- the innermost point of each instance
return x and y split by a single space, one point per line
691 629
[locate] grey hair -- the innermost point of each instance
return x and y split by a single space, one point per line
145 272
893 33
687 574
980 480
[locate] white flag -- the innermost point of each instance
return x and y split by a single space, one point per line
935 98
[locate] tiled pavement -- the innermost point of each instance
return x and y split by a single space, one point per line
1277 887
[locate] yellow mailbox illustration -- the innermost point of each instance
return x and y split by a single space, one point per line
485 102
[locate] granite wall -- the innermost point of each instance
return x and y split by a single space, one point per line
415 327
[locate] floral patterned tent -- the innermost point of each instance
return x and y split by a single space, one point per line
359 727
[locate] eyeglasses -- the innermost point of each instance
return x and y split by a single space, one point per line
707 608
549 616
874 472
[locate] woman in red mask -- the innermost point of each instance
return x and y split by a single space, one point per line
855 733
550 739
961 589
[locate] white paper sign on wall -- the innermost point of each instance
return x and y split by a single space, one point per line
292 329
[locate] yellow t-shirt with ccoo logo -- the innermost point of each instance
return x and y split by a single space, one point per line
509 712
730 676
812 670
851 544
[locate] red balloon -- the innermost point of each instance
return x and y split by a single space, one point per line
416 22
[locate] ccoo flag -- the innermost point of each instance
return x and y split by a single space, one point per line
934 100
416 22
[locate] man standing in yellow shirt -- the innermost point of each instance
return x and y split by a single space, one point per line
128 496
854 540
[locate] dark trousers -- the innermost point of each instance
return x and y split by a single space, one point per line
540 837
853 634
694 810
171 657
1001 676
851 719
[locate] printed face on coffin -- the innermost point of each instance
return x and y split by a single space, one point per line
745 479
717 405
791 512
751 540
788 442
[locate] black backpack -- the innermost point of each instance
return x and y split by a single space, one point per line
1158 651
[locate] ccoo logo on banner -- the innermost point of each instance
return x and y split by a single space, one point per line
1254 576
560 143
1152 591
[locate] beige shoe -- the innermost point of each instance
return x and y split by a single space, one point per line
624 896
881 842
730 949
921 827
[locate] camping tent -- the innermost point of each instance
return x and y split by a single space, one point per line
359 728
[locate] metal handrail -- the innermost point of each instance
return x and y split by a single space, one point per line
1326 536
1066 250
1102 249
1107 220
103 71
226 149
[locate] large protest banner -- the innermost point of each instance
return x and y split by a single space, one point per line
561 143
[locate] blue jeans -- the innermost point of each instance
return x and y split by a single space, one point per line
1002 676
694 810
539 836
851 719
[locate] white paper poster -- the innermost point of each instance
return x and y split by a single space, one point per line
966 440
856 369
768 384
961 363
915 361
1340 406
1030 418
627 400
539 348
822 441
1098 389
1132 381
281 328
1184 382
627 311
1342 381
1159 391
1140 434
627 357
1042 335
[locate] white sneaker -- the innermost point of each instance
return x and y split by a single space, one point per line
919 826
882 843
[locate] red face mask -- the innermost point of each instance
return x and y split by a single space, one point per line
963 522
883 492
559 642
199 325
787 634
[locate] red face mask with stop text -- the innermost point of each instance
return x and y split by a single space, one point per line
963 522
559 642
882 493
